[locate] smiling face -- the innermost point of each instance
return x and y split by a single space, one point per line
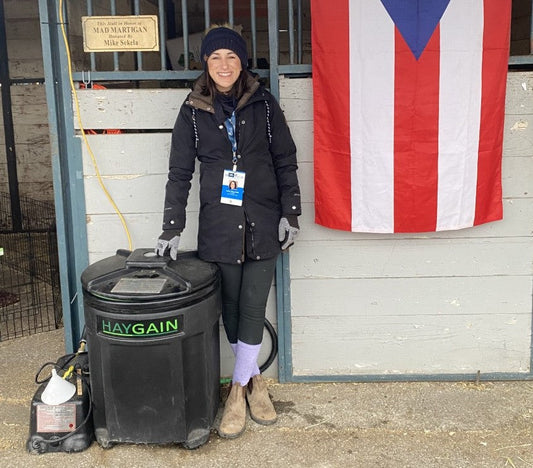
224 67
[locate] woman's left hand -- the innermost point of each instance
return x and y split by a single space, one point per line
288 229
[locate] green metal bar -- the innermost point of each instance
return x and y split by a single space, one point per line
67 174
253 27
207 15
521 60
162 34
230 13
282 266
290 27
139 55
92 55
467 377
531 348
9 133
140 75
531 29
185 29
273 43
116 64
299 25
304 69
151 75
283 296
181 74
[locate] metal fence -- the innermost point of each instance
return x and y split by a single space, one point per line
278 33
30 300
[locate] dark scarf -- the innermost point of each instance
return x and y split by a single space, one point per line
227 102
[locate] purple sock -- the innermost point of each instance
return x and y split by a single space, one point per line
256 370
245 362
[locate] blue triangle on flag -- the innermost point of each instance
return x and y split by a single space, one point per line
416 20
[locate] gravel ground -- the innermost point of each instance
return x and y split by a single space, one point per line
417 424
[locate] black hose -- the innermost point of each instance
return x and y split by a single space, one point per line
274 348
61 363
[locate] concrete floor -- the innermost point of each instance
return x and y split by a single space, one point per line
423 424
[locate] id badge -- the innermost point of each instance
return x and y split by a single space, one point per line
232 188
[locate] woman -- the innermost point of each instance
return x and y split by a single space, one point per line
237 131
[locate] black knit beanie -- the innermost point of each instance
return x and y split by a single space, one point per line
224 38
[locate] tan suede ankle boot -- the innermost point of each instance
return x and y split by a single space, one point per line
261 408
234 417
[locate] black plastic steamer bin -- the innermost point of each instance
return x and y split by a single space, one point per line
152 329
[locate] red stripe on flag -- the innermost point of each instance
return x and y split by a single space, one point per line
331 101
416 130
497 20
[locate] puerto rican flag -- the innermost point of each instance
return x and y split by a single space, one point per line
409 100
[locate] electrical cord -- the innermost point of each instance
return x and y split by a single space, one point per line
274 348
62 362
83 133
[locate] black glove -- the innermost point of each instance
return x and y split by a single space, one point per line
168 240
288 229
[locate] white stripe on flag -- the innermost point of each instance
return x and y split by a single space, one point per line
371 116
461 53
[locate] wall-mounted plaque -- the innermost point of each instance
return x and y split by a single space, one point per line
120 33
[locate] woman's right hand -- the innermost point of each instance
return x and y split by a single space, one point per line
169 240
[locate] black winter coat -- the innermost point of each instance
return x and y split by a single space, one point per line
265 152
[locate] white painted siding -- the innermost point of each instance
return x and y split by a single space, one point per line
443 303
362 304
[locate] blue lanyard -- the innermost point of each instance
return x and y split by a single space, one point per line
230 127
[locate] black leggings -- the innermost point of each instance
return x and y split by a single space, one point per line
245 289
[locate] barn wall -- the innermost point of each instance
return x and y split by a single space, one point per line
29 107
362 304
